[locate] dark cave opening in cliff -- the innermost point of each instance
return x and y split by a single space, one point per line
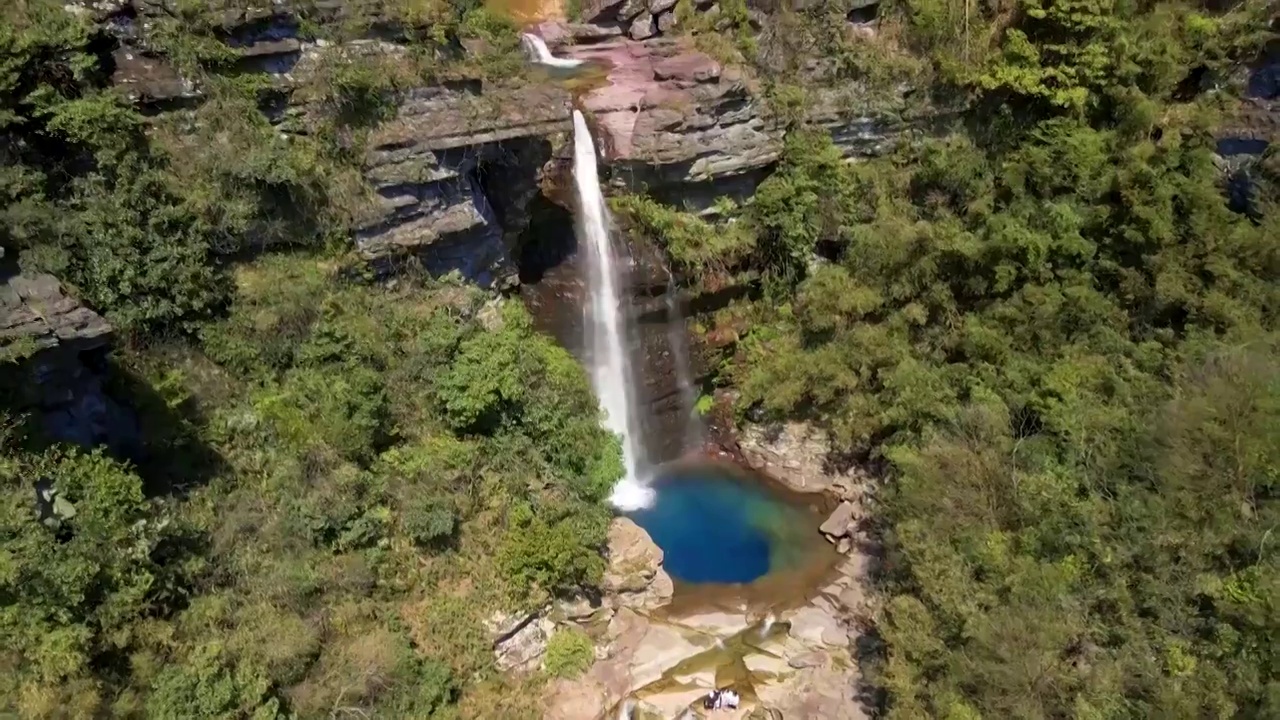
547 242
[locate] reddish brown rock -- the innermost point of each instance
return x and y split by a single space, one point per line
695 67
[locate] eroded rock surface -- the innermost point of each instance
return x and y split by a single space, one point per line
799 455
635 575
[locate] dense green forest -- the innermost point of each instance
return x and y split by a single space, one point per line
1044 327
1053 337
341 481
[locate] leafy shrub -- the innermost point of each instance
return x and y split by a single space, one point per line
569 653
342 407
698 247
545 557
208 687
429 521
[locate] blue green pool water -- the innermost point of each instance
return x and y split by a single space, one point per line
716 525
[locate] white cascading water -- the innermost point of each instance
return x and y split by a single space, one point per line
539 53
610 369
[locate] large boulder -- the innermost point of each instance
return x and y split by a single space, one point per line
595 11
634 575
61 374
840 523
519 639
799 455
642 27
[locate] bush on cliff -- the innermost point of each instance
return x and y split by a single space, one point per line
570 653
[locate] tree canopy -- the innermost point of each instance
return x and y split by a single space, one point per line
1043 323
1053 336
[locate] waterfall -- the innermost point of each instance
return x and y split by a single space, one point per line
679 346
539 53
768 624
606 321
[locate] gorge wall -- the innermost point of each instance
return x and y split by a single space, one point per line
467 174
455 169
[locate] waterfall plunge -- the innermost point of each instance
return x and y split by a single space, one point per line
606 322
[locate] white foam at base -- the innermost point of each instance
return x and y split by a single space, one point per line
630 495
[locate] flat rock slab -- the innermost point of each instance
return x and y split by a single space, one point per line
718 624
671 703
662 648
817 627
820 692
761 664
840 521
693 67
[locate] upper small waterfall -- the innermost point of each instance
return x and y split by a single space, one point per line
538 52
606 321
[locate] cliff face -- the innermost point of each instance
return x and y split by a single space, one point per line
455 170
60 346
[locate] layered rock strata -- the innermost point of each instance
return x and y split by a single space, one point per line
59 347
454 170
